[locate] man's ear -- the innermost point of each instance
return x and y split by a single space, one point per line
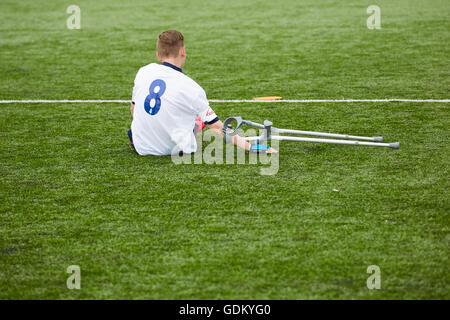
158 56
182 52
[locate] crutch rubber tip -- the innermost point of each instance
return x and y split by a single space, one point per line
378 139
394 145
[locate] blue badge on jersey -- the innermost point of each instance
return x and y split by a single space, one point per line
152 102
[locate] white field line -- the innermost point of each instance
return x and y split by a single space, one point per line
65 101
337 100
241 101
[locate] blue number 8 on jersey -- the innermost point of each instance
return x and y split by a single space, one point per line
152 102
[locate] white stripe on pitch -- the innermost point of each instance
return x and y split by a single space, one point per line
64 101
336 100
241 101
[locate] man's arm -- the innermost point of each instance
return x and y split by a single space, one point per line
217 126
209 117
132 109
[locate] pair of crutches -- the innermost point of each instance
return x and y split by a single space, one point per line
259 145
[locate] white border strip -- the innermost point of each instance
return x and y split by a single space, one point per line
239 101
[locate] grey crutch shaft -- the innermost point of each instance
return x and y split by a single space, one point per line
394 145
329 135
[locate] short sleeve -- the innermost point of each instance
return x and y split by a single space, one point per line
201 104
204 111
133 95
135 88
208 116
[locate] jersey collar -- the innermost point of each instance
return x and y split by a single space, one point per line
172 66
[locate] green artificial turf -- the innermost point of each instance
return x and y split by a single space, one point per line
72 192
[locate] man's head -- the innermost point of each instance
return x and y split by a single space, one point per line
170 48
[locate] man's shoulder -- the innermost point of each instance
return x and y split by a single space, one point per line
143 70
192 82
147 67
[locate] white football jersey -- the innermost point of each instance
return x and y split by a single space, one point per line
167 103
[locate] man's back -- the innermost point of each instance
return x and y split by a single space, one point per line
166 105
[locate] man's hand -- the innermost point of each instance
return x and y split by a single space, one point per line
217 126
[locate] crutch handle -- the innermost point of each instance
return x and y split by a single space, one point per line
228 128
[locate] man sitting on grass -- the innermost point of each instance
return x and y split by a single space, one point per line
168 107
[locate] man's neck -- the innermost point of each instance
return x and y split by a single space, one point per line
174 62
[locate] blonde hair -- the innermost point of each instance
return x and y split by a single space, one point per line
169 43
